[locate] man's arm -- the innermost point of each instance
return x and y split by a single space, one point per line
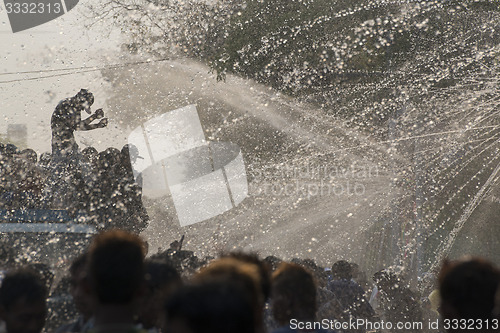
85 125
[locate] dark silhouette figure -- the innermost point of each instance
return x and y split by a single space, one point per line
67 118
116 196
467 291
115 280
211 307
225 297
293 297
162 279
23 302
349 294
78 274
71 175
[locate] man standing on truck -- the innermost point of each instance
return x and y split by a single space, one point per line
67 118
71 173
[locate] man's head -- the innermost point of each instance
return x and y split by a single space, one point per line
116 267
467 288
244 274
273 262
341 270
23 305
293 294
318 272
85 98
262 267
130 153
385 280
109 158
91 153
9 150
161 281
29 155
213 306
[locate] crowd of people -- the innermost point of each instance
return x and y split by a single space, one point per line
99 185
113 286
111 198
116 287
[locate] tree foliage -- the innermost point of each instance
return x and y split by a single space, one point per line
300 46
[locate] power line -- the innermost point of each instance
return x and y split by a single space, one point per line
49 76
85 67
74 70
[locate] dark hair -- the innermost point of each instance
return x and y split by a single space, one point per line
342 270
232 269
263 268
129 151
87 95
78 263
116 266
9 150
273 262
319 274
385 276
212 307
44 272
90 152
469 287
109 158
24 283
30 155
159 274
294 284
